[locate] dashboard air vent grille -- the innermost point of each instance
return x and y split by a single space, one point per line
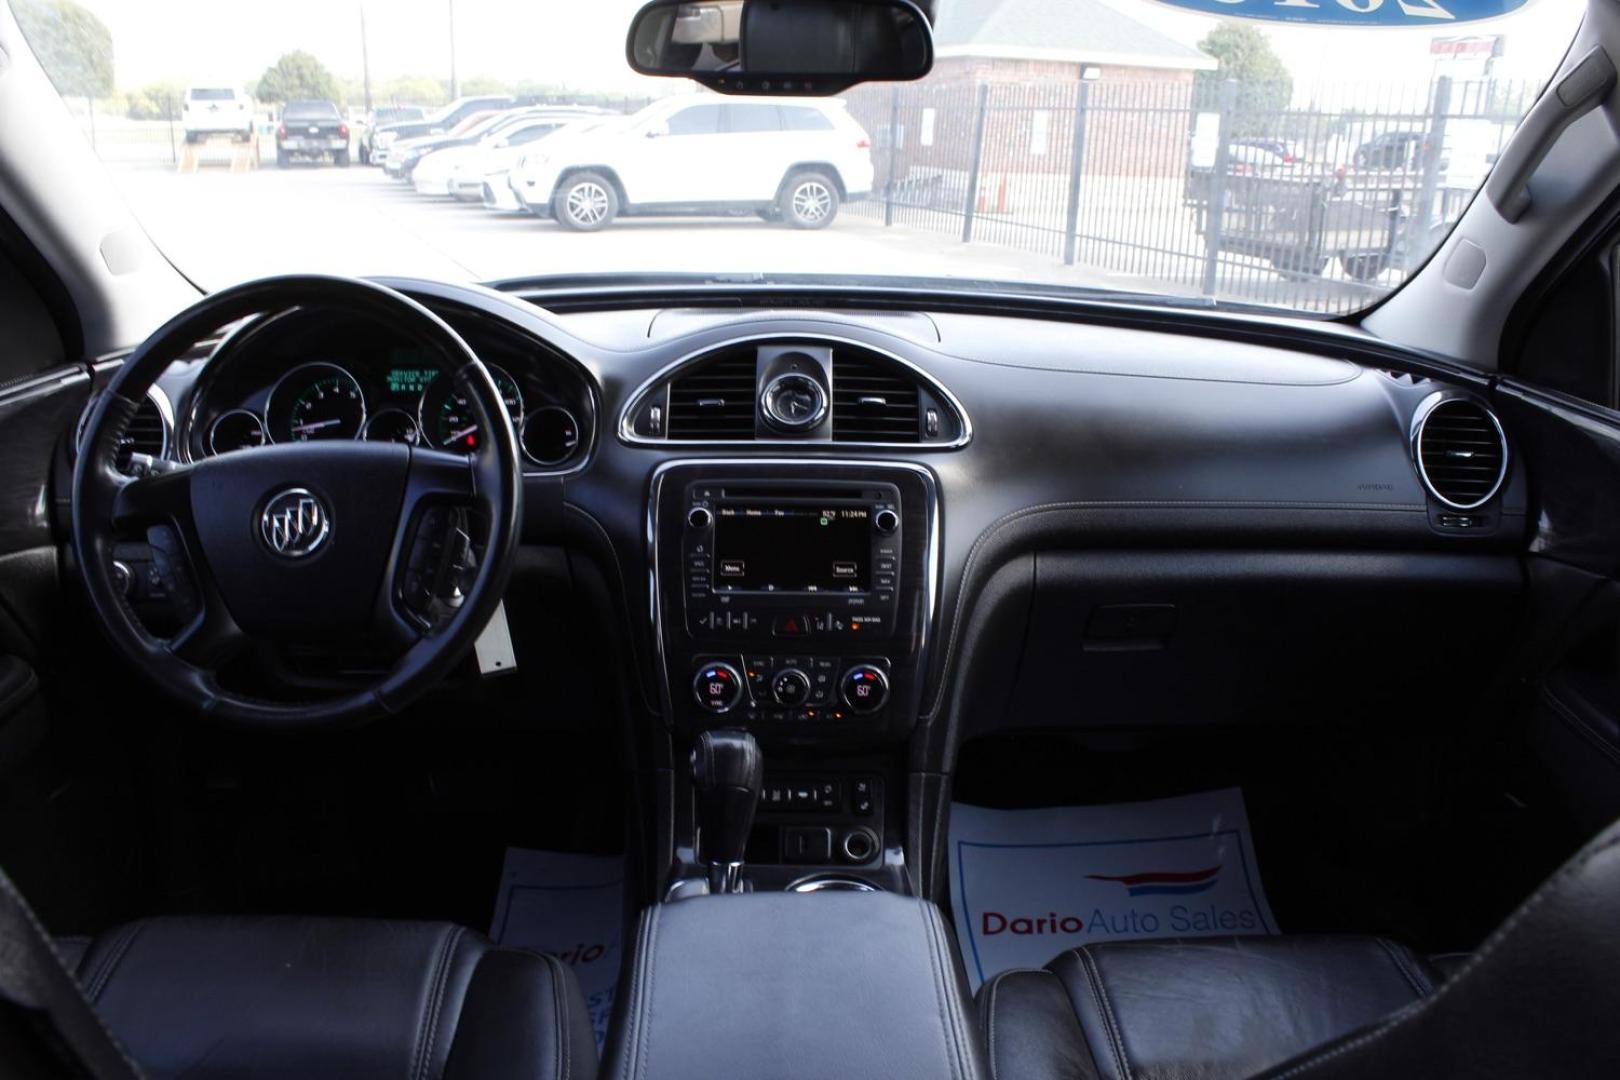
873 400
146 433
715 399
1461 453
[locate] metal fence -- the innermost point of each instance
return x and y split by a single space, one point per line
1168 186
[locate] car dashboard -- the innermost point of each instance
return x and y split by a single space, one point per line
851 529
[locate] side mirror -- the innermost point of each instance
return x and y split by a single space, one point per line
781 46
658 130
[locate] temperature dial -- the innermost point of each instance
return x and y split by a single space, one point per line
718 687
864 688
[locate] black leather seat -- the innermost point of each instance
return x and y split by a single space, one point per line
1537 999
1206 1007
313 997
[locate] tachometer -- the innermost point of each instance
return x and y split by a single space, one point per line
446 415
316 401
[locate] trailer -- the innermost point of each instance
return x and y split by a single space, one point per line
1301 221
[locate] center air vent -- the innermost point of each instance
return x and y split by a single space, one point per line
873 400
1461 453
715 400
778 389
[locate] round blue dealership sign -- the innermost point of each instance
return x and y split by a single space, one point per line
1355 12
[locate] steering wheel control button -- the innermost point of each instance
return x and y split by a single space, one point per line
886 521
794 402
864 688
295 523
791 687
718 687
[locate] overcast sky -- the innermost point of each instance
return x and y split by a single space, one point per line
581 42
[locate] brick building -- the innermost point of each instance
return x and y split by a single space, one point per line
1023 62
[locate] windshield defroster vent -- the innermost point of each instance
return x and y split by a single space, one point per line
1461 453
873 401
715 400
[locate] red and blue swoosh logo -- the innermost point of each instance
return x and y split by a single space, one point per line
1165 882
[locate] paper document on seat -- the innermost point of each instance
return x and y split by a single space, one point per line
571 906
1028 884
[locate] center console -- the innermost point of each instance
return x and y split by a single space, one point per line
723 986
794 602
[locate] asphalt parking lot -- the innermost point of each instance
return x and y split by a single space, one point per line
220 227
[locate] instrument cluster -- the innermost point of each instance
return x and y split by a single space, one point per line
306 374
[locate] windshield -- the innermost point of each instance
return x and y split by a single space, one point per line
1085 145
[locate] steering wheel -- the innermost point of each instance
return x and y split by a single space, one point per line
310 538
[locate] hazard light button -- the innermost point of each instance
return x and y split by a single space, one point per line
792 626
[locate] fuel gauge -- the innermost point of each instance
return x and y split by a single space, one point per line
237 429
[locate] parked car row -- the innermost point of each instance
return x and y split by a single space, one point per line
792 161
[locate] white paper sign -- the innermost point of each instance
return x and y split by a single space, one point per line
1028 884
572 907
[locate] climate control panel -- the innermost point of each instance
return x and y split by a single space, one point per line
797 688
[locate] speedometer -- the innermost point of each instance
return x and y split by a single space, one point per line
316 401
447 416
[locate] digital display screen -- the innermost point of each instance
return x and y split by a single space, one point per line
766 548
410 380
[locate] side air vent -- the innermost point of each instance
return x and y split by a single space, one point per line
1461 453
715 400
874 400
146 434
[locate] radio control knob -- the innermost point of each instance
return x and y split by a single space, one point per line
886 521
864 688
718 687
699 517
790 687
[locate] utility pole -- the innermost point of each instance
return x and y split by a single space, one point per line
365 58
455 86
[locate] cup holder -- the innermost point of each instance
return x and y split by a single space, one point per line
832 883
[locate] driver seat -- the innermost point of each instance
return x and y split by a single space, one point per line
285 997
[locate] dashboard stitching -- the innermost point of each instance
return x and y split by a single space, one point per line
1115 504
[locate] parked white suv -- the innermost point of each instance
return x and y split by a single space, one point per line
794 160
216 110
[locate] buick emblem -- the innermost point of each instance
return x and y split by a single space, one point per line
295 523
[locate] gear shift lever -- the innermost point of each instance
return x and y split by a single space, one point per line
727 770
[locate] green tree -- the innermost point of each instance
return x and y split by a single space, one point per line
1244 54
405 90
297 76
154 101
74 47
484 84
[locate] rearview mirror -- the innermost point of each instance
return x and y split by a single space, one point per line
781 46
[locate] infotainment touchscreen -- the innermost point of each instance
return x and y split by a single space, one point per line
777 548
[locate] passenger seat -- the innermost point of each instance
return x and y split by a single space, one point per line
1537 999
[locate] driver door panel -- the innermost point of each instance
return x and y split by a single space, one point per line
34 413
